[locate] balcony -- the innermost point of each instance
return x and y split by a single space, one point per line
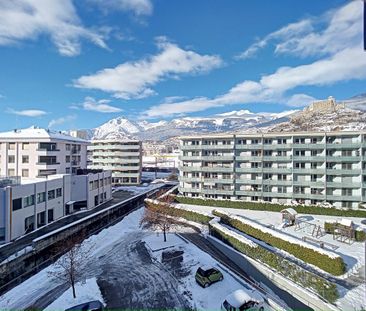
114 154
248 170
341 159
308 146
218 180
277 194
190 168
278 158
248 181
249 158
191 147
114 147
320 184
217 169
218 191
217 147
190 158
318 171
277 170
277 146
340 172
48 163
191 190
249 147
248 193
343 145
218 158
277 182
308 158
190 179
353 198
307 196
344 184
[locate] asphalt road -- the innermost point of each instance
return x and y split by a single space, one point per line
26 240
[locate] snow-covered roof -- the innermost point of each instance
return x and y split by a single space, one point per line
289 210
239 297
35 133
346 222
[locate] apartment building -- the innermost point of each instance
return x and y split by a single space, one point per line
122 157
26 205
309 168
36 152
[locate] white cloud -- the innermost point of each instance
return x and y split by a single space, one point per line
29 19
101 105
339 29
341 61
27 112
61 120
138 7
134 79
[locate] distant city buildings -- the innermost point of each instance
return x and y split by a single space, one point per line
122 157
36 152
309 168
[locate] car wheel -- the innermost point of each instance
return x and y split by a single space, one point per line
206 285
221 278
261 309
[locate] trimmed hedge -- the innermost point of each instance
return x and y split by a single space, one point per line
335 266
260 206
188 215
360 235
298 275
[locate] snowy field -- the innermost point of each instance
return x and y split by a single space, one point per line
352 254
123 272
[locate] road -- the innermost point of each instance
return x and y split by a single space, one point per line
19 244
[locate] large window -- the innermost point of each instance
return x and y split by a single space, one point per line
48 146
11 159
17 204
11 146
41 197
51 194
28 201
25 159
58 192
46 172
25 146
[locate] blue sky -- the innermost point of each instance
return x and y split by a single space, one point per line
76 64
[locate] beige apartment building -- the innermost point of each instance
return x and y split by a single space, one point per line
122 157
309 168
36 152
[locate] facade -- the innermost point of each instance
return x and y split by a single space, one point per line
29 205
122 157
35 152
309 168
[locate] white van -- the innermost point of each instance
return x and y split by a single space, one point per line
243 300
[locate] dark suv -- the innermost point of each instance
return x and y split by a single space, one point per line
205 276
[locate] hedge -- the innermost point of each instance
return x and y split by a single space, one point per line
360 235
260 206
186 214
290 270
335 266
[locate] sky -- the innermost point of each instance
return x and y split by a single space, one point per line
68 64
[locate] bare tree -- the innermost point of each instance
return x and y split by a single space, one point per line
70 266
158 215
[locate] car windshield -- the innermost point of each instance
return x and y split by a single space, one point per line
202 272
228 306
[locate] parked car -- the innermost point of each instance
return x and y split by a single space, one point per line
205 276
243 300
95 305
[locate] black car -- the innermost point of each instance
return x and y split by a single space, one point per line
95 305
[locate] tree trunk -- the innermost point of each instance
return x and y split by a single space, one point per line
164 235
73 289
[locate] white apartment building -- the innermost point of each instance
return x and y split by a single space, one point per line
31 204
122 157
309 168
36 152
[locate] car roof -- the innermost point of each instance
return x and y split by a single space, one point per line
241 296
95 304
205 268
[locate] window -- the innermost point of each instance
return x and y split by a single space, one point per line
28 201
67 159
267 164
17 204
68 147
346 166
41 219
281 177
67 170
58 192
25 146
41 197
25 173
281 141
11 146
267 141
346 192
48 146
11 159
51 194
46 172
25 159
50 215
11 172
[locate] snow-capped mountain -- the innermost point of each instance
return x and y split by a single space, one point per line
124 128
342 117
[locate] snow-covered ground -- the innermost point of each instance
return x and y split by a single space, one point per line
86 291
209 298
123 273
137 189
352 254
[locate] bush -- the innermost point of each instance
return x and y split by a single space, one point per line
360 235
300 276
188 215
260 206
335 266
